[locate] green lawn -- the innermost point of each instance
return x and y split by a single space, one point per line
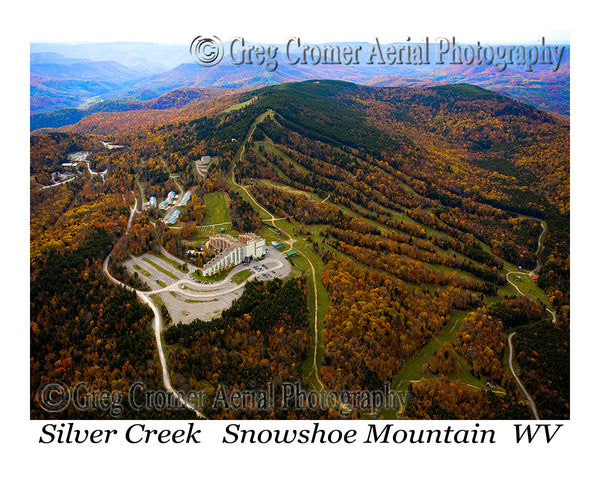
239 106
269 236
213 278
242 276
528 287
216 208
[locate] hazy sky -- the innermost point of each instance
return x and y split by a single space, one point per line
509 21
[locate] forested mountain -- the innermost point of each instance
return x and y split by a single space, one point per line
412 206
79 76
57 81
174 99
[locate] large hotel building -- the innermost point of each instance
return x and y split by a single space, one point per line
233 251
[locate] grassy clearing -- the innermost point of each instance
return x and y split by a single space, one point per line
280 174
288 189
322 304
161 269
222 275
269 236
239 106
271 147
241 277
216 208
528 287
263 213
204 232
413 368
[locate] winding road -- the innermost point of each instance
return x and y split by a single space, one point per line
44 187
212 289
533 272
553 313
510 364
92 173
145 298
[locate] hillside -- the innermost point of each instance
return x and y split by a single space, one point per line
78 76
546 90
174 99
410 209
57 81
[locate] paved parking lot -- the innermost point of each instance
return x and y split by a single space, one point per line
187 298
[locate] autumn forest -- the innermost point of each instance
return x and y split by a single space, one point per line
431 233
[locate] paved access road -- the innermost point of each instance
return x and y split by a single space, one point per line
145 297
510 347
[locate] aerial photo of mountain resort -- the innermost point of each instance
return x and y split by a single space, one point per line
298 246
305 239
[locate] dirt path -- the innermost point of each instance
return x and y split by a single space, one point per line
514 284
553 313
290 241
533 272
538 264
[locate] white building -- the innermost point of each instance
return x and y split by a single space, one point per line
233 251
186 198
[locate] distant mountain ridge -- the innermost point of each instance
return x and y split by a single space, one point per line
177 98
58 81
138 72
143 56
